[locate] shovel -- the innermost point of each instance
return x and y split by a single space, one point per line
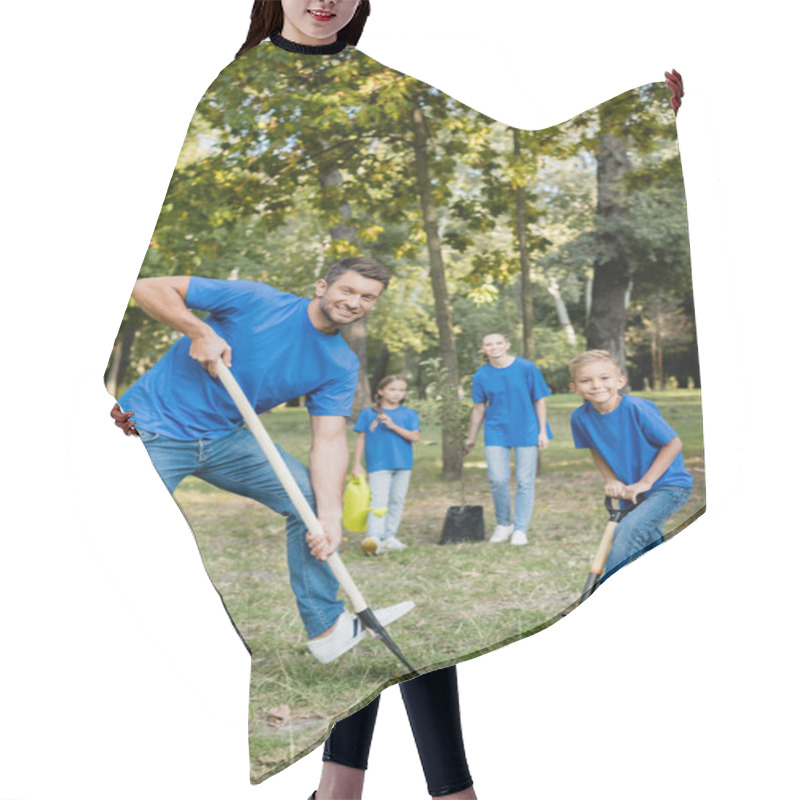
615 516
251 419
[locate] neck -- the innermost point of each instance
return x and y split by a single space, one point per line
609 405
501 361
319 320
387 404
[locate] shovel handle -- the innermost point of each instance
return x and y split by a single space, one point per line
287 480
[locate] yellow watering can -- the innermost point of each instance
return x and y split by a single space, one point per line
356 504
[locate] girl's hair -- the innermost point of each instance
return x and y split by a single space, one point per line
383 383
266 19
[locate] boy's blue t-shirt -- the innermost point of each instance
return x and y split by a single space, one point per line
277 355
628 439
384 448
510 392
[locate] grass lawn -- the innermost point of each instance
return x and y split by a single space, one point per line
469 597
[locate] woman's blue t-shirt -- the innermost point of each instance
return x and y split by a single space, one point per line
628 439
510 392
277 355
386 449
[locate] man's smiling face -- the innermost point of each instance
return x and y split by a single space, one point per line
350 297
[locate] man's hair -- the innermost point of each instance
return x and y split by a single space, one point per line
363 266
266 19
590 357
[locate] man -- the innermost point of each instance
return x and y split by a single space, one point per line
278 346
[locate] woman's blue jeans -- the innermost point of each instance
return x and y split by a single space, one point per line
642 528
498 462
235 463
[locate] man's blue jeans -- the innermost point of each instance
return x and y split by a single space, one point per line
498 462
235 463
387 487
642 528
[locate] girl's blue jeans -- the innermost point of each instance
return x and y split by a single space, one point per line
235 463
498 462
642 528
387 487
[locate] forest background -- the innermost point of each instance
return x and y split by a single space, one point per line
566 238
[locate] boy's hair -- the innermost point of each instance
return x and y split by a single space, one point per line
590 357
363 266
266 19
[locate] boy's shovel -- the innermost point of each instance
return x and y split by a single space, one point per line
360 607
601 556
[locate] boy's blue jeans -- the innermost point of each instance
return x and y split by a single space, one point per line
498 462
642 528
387 487
235 463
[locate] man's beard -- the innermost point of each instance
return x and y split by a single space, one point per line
325 308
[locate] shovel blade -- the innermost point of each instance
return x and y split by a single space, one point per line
371 623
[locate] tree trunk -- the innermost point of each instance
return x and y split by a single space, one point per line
452 460
121 354
525 284
605 329
354 334
561 311
381 365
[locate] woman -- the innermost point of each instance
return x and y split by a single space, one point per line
509 394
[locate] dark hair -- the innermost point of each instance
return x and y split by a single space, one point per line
363 266
266 19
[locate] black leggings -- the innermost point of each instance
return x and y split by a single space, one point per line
432 707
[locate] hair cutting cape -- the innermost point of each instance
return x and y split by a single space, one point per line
563 239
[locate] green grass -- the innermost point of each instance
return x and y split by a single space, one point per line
470 597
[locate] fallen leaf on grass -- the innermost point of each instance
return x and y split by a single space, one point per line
279 715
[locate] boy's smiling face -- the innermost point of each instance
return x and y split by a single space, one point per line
598 382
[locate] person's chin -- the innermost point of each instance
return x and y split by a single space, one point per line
347 319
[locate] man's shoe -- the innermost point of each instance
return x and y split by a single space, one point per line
349 631
392 543
519 537
501 534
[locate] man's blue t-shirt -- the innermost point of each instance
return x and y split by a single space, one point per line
277 355
628 439
386 449
510 392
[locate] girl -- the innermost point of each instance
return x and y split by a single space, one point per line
386 432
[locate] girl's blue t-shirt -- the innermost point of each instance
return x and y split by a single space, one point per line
510 392
628 439
277 355
384 448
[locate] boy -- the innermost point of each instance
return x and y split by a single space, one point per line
637 452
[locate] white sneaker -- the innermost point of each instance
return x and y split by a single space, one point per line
392 543
501 533
519 537
349 631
